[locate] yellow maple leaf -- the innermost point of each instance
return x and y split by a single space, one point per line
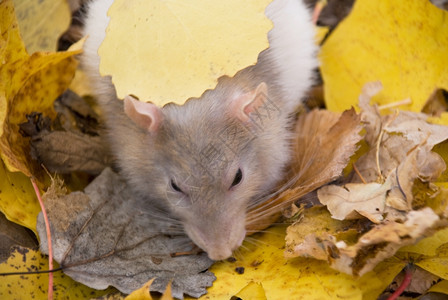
437 262
42 23
17 198
36 285
441 287
170 51
402 44
27 84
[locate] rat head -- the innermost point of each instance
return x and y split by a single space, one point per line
207 160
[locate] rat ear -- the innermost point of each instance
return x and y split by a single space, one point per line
146 115
248 103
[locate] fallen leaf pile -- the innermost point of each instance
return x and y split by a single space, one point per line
404 46
399 158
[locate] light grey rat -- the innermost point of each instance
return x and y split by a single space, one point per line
207 161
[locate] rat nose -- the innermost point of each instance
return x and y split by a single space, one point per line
219 254
225 249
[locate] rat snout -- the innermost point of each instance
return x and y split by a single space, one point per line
220 249
219 242
219 253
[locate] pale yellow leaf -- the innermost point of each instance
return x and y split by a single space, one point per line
252 291
441 287
142 293
169 51
18 200
401 43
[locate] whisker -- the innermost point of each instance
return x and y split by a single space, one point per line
250 241
244 247
256 242
238 255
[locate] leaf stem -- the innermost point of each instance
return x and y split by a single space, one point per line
47 229
404 284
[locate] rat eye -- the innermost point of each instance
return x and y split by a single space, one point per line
175 187
238 177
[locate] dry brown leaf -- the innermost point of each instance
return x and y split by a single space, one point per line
101 239
324 143
437 103
64 152
365 199
381 242
422 280
402 133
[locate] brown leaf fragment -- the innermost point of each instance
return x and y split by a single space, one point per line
419 164
416 130
422 280
101 238
65 152
365 199
324 143
437 103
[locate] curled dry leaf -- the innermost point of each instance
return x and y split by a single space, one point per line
324 143
402 133
381 242
101 239
365 199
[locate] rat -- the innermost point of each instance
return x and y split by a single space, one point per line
208 161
